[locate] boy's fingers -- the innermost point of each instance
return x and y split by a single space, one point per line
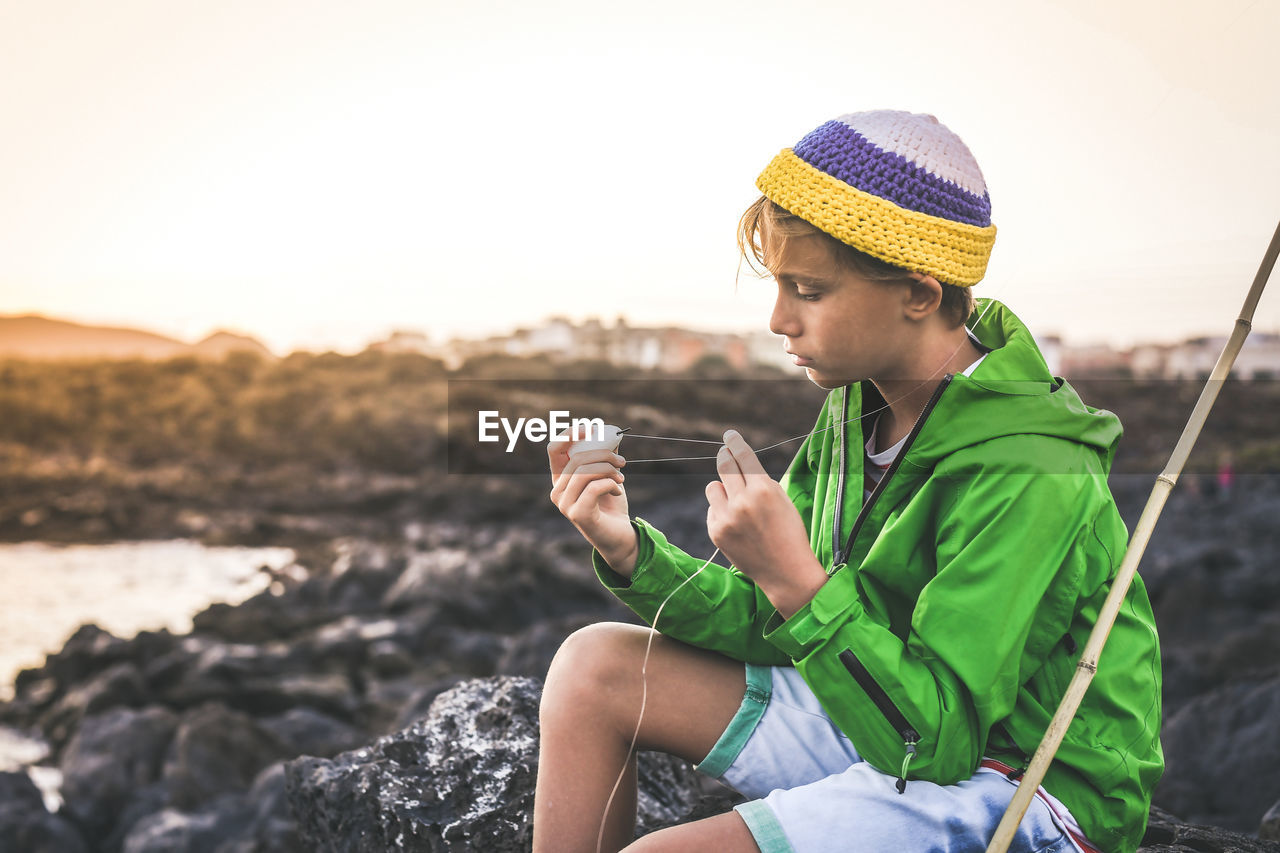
730 473
558 454
591 494
561 461
746 458
716 496
572 483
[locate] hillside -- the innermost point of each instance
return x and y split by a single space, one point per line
32 336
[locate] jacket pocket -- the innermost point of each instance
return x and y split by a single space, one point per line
892 715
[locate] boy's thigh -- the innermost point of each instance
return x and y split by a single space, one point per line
811 792
861 810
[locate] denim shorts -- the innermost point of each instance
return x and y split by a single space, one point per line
810 792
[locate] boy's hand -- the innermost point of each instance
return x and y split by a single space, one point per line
587 489
759 530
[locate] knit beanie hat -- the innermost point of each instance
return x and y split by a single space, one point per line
898 186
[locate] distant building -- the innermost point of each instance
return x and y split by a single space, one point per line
665 348
1150 361
401 342
675 350
1093 360
1259 358
1051 349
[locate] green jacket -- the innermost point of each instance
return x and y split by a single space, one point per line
961 592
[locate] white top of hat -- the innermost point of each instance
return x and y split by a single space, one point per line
923 140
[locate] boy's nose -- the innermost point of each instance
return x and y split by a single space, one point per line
782 321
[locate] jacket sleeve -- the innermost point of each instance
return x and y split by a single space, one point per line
717 608
1012 540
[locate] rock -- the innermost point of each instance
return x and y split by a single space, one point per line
421 700
258 680
119 685
111 758
306 731
90 649
426 572
1222 753
214 751
201 832
145 801
26 826
460 778
272 828
261 619
530 652
500 582
1167 834
256 821
169 669
388 659
1270 827
18 789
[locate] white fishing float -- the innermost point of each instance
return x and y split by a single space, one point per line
607 438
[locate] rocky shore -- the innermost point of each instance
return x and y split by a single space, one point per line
389 698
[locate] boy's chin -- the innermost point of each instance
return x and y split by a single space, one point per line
823 381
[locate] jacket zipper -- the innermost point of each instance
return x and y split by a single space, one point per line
842 554
894 717
839 511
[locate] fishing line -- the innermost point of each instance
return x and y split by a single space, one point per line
672 438
644 696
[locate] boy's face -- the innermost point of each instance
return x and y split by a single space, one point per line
839 326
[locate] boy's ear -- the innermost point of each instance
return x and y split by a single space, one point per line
924 296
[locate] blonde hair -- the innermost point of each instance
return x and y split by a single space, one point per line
957 302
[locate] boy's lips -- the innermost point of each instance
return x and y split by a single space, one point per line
800 360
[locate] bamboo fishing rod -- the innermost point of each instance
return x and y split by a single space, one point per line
1087 667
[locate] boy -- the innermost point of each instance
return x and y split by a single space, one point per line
907 605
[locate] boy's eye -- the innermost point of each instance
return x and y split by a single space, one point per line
808 297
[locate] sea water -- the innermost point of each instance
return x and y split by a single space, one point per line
48 591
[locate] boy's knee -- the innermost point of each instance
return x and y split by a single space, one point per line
592 665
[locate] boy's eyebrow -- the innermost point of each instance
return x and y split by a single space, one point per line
800 276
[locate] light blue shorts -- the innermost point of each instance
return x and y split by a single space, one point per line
810 792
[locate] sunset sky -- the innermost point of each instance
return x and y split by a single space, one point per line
320 173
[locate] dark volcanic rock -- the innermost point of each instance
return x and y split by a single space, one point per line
26 826
334 658
215 751
530 652
1270 828
462 778
266 679
90 649
1222 752
306 731
119 685
253 822
113 758
1166 834
421 699
202 832
499 582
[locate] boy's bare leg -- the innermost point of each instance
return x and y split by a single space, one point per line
588 715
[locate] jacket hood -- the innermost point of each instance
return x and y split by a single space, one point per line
1011 392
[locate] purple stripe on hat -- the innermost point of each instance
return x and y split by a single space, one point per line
842 152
